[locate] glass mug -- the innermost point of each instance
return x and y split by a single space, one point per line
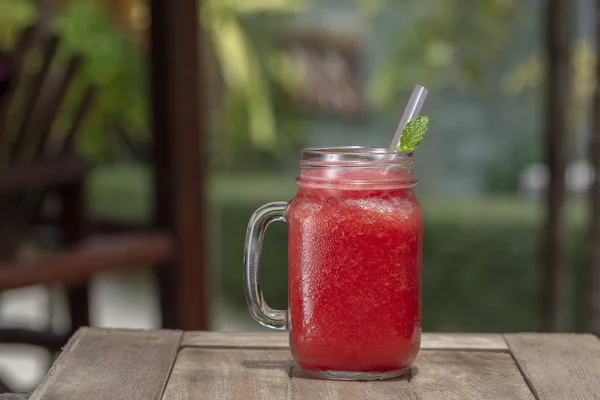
354 258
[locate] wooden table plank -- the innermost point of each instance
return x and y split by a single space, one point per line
465 375
279 340
271 374
111 364
254 340
463 341
121 364
230 374
558 366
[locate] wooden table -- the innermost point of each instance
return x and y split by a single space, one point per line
175 365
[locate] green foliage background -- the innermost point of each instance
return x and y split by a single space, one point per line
14 16
112 64
251 72
480 264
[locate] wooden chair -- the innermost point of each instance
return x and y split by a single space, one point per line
37 165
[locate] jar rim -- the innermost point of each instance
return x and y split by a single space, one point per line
353 156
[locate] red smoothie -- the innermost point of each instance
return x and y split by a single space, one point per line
355 250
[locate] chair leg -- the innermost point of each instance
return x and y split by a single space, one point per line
167 282
79 304
74 227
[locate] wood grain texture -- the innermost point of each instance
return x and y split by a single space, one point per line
112 365
463 341
465 375
230 374
255 340
279 340
558 366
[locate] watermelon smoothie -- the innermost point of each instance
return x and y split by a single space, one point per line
355 250
354 259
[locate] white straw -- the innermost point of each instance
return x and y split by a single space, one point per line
413 108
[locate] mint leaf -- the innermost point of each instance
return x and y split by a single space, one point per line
412 134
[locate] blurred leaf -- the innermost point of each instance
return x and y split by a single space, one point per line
439 54
584 65
232 50
242 74
288 74
369 8
14 16
262 118
532 74
251 73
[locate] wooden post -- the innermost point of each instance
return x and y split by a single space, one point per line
179 161
593 295
555 273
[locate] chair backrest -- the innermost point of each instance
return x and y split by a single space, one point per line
6 74
29 108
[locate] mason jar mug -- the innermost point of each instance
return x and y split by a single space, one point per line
354 261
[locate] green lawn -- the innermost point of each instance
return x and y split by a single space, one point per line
125 191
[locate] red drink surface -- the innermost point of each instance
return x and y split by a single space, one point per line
355 276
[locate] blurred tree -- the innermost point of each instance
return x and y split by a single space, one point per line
251 74
593 275
450 42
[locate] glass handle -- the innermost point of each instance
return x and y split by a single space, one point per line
257 226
